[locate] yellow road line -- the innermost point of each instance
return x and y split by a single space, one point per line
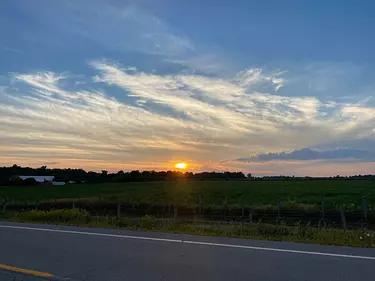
25 271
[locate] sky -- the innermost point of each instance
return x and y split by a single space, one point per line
265 87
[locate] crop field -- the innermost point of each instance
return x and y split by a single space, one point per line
211 193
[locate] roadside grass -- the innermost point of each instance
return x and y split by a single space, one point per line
276 232
302 194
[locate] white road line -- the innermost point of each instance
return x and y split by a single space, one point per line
281 250
190 242
92 233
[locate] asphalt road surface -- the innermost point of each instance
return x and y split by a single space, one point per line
118 255
13 276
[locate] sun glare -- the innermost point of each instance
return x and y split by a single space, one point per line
181 165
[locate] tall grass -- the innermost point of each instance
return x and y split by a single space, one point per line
54 216
277 232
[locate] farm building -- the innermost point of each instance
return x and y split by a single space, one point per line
58 183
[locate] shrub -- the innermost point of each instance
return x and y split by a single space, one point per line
305 231
292 205
367 238
146 222
272 230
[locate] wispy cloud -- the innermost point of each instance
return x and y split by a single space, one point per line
163 117
138 34
117 27
80 123
253 76
232 106
12 50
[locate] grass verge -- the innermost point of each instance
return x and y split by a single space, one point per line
279 232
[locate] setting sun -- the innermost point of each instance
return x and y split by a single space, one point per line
180 165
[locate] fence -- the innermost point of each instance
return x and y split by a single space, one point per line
315 215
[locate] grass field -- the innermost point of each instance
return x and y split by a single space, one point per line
213 193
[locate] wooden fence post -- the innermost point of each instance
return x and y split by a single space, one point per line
225 206
343 219
118 210
364 208
242 209
322 206
73 205
279 210
4 206
132 199
175 215
250 216
36 204
200 204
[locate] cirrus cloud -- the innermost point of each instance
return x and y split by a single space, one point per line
156 118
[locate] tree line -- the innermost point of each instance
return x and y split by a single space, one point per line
80 175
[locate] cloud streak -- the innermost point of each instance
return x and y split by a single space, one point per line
117 27
158 118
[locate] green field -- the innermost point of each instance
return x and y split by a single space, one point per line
212 193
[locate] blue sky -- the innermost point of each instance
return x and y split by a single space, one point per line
144 84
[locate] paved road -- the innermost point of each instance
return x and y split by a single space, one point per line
111 255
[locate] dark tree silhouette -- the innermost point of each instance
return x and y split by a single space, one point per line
8 175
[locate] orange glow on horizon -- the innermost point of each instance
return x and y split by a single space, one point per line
181 165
